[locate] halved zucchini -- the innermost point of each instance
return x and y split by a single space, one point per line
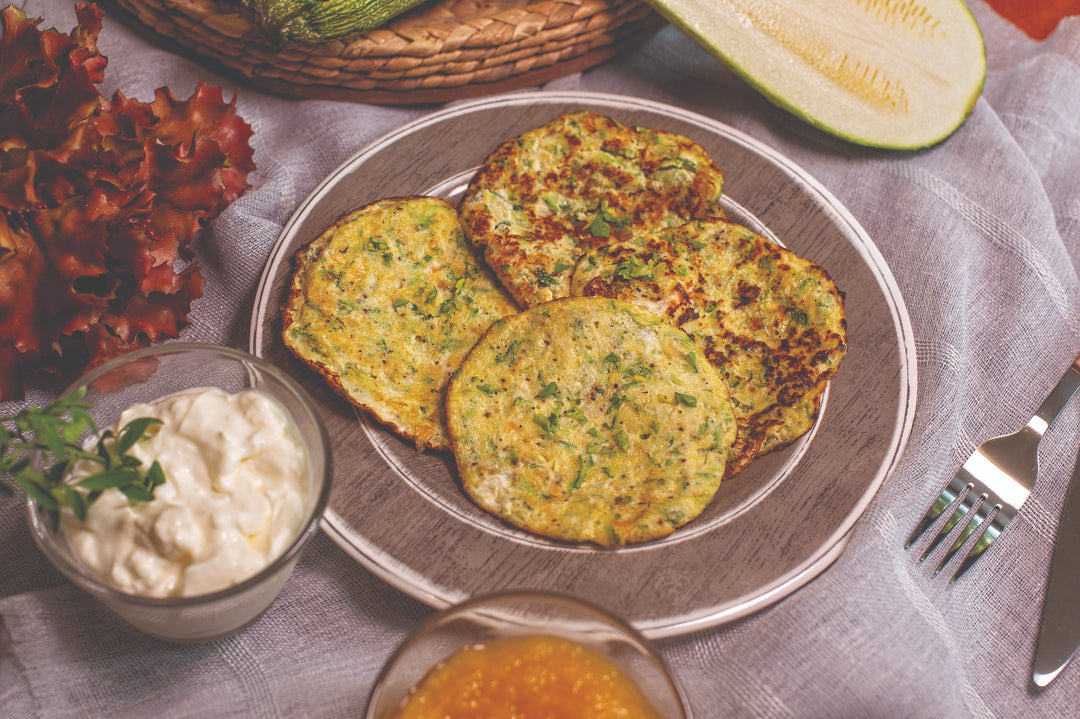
898 74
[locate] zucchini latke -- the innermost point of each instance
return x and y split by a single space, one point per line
770 321
542 199
589 420
385 304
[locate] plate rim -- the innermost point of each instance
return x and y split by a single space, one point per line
829 550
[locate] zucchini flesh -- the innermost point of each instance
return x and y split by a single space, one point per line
897 74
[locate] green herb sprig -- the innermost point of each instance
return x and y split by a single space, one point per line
52 431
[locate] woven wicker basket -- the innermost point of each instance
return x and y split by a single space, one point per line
442 50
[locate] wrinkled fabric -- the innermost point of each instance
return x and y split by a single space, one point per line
982 233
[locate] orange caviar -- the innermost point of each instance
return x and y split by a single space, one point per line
533 677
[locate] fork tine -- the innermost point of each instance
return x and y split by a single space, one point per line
977 517
995 525
962 507
954 490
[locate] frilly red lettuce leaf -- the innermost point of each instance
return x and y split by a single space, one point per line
99 201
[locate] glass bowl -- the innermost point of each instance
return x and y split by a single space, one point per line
519 614
148 374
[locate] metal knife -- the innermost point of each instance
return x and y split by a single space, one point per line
1059 634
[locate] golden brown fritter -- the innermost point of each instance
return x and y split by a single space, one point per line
589 420
386 303
772 322
581 181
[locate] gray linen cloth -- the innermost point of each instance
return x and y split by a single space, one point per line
982 233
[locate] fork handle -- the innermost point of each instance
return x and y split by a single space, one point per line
1057 399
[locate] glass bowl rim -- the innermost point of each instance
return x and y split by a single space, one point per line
322 442
636 638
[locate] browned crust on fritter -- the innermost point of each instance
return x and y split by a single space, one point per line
536 267
804 359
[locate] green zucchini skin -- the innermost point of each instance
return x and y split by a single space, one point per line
314 21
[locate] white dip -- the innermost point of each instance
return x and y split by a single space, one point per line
236 478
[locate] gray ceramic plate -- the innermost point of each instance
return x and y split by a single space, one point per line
770 530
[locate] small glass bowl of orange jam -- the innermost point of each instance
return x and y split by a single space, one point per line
525 654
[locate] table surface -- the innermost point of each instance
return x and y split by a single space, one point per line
982 233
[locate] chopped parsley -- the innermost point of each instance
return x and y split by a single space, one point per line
548 425
509 355
598 448
576 414
548 390
599 226
576 482
621 439
687 400
634 268
426 220
545 278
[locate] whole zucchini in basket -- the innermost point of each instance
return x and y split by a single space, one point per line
314 21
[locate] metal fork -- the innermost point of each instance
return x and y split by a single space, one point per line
994 481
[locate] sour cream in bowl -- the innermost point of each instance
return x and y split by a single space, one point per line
247 469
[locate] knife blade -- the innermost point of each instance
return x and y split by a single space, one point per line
1059 633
